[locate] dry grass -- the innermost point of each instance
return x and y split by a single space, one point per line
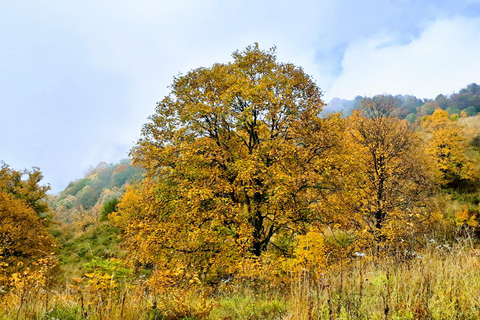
440 282
471 126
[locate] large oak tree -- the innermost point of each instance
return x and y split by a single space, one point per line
237 158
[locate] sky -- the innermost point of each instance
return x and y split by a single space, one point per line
78 79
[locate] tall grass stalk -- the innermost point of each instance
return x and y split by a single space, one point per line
440 282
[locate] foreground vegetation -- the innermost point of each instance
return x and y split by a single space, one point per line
242 202
440 281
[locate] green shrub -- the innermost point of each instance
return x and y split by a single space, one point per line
108 208
64 313
411 117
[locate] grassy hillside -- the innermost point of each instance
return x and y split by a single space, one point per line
81 221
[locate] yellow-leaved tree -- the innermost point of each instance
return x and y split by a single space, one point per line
446 146
394 181
239 162
25 242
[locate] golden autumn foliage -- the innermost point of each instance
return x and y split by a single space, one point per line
24 238
394 180
25 185
238 160
466 217
446 147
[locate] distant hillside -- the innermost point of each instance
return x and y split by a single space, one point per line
410 107
102 184
81 224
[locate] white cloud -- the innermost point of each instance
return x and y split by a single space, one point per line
82 77
149 42
443 59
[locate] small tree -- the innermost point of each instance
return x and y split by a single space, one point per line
446 146
411 117
25 185
24 216
428 108
471 111
395 182
108 208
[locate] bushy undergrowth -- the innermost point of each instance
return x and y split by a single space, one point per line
439 281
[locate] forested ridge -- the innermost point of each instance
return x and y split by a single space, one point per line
411 108
246 198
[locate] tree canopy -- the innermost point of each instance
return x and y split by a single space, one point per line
237 156
395 184
447 148
24 215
